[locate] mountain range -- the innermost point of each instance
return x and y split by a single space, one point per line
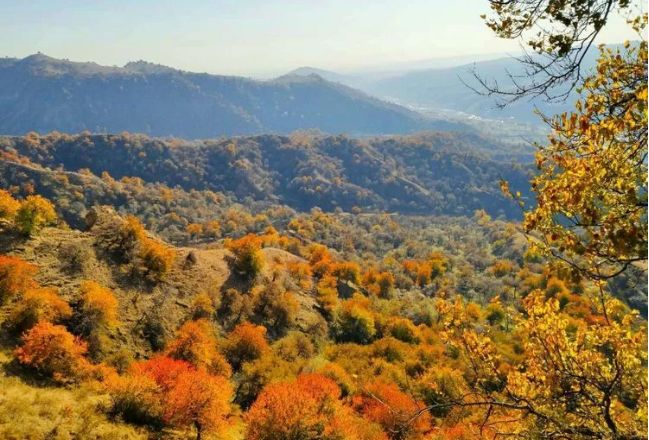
43 94
450 90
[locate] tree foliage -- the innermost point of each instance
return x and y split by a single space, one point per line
53 351
592 186
34 213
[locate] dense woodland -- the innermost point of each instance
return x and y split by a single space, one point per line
325 287
427 174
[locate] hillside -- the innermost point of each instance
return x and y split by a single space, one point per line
43 94
126 327
427 174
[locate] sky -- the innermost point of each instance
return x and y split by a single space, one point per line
255 37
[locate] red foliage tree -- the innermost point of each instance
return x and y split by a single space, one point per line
53 351
395 411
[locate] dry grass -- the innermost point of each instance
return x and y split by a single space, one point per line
29 413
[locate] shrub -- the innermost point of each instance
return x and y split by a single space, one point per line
155 259
387 405
34 213
16 276
198 399
75 256
354 323
275 308
39 304
165 391
306 408
8 205
404 330
347 271
195 343
301 273
248 258
245 343
293 346
135 400
53 351
202 306
98 305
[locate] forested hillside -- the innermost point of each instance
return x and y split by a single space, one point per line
429 174
299 285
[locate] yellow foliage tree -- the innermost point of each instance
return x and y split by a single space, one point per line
34 213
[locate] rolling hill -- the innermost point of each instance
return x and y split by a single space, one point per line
425 174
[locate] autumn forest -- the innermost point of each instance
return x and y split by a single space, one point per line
411 279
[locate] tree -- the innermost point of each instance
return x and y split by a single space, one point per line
387 405
578 379
199 399
16 276
8 205
560 34
306 408
195 343
592 187
34 213
98 305
38 304
245 343
248 258
53 351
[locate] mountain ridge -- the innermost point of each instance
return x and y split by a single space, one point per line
43 94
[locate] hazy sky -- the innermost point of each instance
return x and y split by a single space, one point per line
253 37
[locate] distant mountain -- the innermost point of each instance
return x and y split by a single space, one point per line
42 94
435 90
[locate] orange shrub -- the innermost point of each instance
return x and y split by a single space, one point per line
16 276
40 304
320 261
202 306
245 343
301 273
308 407
248 258
501 268
199 399
379 283
195 343
194 229
347 271
53 351
387 405
156 259
173 392
135 398
327 294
